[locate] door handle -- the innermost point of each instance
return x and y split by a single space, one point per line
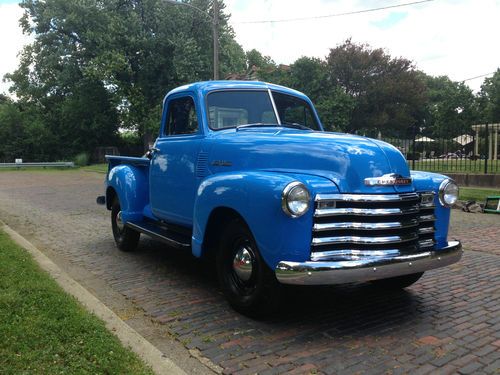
151 152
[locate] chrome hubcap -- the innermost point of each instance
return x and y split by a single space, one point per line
119 221
243 263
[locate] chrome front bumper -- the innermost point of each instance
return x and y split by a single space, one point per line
365 268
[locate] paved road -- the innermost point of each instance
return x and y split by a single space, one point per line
448 322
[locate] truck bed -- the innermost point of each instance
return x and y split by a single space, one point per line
129 160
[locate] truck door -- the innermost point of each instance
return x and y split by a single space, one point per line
172 173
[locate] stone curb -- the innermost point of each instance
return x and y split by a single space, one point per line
127 336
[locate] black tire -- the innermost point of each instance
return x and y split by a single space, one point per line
259 295
399 282
126 238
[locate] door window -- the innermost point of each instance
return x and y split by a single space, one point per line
182 117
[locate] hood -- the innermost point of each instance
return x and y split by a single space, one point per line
344 159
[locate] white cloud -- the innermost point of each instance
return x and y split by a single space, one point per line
12 40
458 38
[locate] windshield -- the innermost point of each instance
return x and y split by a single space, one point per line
293 110
228 109
232 108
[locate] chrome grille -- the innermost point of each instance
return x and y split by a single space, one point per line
349 224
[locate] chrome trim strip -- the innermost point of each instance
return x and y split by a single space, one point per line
367 197
365 226
371 268
157 236
323 212
426 218
353 254
426 230
274 107
317 241
426 243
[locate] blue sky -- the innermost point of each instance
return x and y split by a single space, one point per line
391 20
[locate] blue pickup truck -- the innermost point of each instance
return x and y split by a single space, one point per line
243 173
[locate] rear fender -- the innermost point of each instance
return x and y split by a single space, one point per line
131 184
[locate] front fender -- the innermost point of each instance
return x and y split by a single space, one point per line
256 196
131 184
427 181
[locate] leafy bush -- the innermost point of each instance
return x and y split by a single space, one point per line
82 159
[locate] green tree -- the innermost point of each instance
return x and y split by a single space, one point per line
489 99
451 108
388 93
124 53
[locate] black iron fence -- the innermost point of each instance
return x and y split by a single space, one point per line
477 151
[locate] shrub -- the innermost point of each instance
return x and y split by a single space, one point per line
82 159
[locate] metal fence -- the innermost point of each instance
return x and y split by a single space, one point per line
60 164
476 151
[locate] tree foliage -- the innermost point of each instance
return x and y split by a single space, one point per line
489 99
95 66
451 107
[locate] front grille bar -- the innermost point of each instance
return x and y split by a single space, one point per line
324 212
367 197
358 240
318 227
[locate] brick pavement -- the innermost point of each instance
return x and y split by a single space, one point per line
449 322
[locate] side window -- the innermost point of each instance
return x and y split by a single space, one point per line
181 117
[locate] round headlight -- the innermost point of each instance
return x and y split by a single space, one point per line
295 199
448 193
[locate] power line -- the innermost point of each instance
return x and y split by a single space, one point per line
481 76
336 14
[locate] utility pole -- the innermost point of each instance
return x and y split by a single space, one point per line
215 28
216 38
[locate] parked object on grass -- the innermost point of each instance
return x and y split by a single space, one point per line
472 206
492 204
243 172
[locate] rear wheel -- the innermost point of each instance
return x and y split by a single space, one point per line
399 282
247 282
126 238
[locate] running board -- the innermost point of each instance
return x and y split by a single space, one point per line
161 234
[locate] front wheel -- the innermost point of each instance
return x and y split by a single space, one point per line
248 283
399 282
126 238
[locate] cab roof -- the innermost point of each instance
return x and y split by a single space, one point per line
205 87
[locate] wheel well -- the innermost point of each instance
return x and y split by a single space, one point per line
110 197
217 221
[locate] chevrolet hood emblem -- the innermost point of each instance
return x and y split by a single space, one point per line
388 179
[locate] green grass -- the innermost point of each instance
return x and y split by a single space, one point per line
45 331
476 194
455 165
100 168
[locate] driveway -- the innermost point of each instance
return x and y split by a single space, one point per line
448 322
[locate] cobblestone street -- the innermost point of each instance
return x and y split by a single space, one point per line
448 322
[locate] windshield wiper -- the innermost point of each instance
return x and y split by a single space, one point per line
295 125
254 125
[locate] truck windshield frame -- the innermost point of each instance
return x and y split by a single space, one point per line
228 109
235 108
